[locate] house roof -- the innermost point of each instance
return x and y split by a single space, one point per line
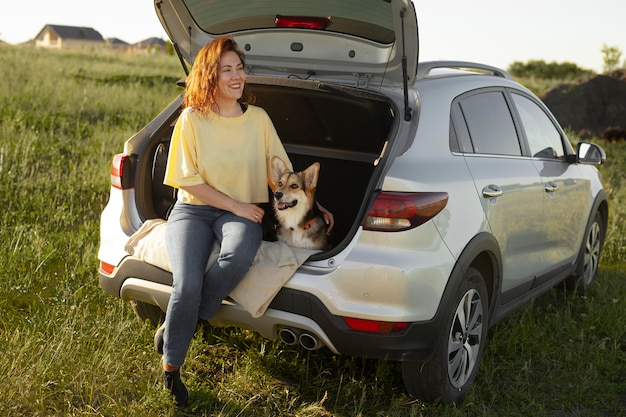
117 42
150 42
73 32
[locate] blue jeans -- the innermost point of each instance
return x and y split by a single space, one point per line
191 231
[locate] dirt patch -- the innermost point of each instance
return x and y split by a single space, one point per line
592 107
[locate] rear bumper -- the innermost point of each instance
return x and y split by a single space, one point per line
290 308
414 343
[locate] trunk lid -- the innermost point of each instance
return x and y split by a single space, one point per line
375 41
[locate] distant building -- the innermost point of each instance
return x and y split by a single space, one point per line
118 45
69 37
151 45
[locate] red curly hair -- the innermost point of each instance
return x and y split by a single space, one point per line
201 84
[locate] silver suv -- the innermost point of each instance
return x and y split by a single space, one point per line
457 193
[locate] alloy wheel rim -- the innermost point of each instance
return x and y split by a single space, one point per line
465 338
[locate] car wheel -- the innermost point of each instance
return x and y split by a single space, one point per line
591 250
447 377
147 312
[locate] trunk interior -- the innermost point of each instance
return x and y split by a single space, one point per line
344 129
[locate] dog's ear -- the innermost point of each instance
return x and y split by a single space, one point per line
311 174
278 168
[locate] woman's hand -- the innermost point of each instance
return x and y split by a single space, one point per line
328 218
249 211
211 196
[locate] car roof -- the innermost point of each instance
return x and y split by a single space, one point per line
447 79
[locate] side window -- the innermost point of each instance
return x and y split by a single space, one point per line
543 137
490 124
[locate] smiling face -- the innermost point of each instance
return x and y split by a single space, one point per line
290 189
232 78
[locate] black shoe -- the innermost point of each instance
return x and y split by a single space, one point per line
172 382
158 339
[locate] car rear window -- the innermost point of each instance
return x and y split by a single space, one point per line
369 19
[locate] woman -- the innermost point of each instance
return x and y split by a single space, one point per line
219 160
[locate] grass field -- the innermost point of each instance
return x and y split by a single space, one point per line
68 349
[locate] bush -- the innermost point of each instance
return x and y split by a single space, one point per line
543 70
613 133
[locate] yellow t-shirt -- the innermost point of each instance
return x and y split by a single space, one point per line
232 155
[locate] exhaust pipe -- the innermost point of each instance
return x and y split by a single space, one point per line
289 336
309 341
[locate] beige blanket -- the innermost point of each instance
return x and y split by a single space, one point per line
274 264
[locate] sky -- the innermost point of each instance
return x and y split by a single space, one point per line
489 31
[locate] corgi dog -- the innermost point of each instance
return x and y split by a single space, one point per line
300 221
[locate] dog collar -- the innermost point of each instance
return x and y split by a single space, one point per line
309 224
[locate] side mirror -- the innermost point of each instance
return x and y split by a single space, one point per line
590 153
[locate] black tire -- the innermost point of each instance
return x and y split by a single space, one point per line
148 312
447 377
591 250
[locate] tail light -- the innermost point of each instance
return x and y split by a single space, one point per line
374 326
119 167
397 211
302 22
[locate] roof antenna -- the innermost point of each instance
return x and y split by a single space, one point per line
405 80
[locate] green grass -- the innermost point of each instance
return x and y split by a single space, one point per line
68 349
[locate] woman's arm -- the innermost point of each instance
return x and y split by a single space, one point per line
209 195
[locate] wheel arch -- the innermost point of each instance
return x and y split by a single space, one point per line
600 205
482 253
600 208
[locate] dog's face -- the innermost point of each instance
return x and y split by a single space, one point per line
293 189
300 222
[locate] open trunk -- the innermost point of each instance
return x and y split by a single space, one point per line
345 129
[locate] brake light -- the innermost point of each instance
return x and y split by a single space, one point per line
120 161
302 22
373 326
397 211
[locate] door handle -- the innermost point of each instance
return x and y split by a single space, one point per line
491 191
551 187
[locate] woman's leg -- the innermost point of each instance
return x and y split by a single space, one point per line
239 240
189 239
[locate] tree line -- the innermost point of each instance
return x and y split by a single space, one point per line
611 58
